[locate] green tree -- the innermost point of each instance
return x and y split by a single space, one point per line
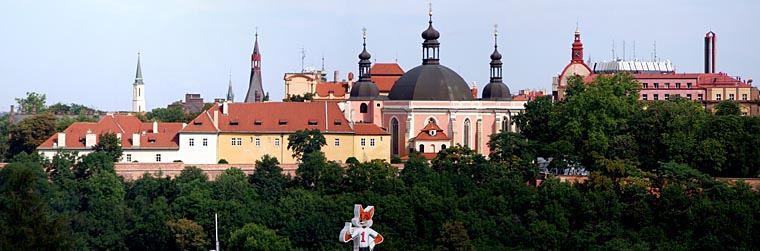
298 98
189 236
727 107
454 238
258 238
534 121
268 178
172 114
26 219
32 101
28 134
316 173
510 146
65 122
306 141
109 144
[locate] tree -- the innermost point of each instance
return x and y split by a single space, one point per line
172 114
315 172
454 238
298 98
255 237
727 107
510 146
268 178
65 122
265 98
109 144
26 219
33 101
189 236
306 141
534 121
30 133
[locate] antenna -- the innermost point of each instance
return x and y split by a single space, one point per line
613 51
654 54
303 57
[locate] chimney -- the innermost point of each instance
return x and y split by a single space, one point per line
90 139
184 125
216 118
61 139
710 52
155 127
474 91
136 140
335 76
226 108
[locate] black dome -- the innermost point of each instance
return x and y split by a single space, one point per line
430 33
364 90
430 82
364 55
497 91
495 55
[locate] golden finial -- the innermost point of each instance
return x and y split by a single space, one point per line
430 9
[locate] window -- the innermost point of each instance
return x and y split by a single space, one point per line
688 85
667 96
443 147
667 85
337 142
363 108
276 142
699 96
744 113
129 157
656 85
158 157
657 97
394 136
205 142
744 96
678 85
371 142
688 96
645 85
192 142
644 97
363 142
466 132
422 148
237 141
718 97
731 96
233 142
258 142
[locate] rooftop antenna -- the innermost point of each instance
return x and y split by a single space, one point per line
624 51
303 57
654 54
323 63
613 51
397 56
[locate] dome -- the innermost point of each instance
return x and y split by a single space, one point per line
364 55
495 55
497 91
430 33
364 90
430 82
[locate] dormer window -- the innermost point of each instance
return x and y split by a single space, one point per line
197 123
312 122
283 122
234 122
257 122
337 122
151 140
432 132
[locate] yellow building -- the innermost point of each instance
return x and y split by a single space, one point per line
247 131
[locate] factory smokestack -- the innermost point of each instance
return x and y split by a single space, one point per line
710 52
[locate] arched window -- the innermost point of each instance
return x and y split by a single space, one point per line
443 147
422 148
466 133
432 147
394 136
363 108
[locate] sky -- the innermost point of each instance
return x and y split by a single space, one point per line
85 51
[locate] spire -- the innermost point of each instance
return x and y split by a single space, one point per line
577 52
230 94
138 75
364 57
495 57
255 89
431 45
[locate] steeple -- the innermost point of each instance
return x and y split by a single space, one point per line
431 45
255 88
230 94
138 89
577 54
364 57
495 58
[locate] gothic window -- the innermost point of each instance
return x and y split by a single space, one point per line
363 108
394 136
466 133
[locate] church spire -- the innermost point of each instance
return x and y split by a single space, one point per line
138 90
255 88
364 57
577 54
230 94
495 58
431 45
138 75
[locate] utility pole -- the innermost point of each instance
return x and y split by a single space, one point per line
216 231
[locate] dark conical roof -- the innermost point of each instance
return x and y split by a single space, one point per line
495 56
364 55
497 91
430 33
364 90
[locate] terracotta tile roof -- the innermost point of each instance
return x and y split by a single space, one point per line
338 89
720 80
165 137
384 75
425 133
202 123
282 117
384 83
520 98
368 129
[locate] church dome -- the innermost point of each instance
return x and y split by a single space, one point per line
497 91
364 91
430 82
495 56
430 33
364 55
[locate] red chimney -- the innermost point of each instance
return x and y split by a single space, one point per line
474 91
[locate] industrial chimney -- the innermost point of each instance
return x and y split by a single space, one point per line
710 52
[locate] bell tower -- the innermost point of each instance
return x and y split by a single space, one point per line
577 54
138 90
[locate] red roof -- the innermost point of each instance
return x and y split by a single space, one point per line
384 75
428 156
281 117
202 123
165 137
425 133
368 129
338 89
720 80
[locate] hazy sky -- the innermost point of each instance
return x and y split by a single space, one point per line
85 51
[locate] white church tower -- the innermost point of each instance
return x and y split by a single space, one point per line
138 90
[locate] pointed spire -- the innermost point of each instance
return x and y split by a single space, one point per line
138 75
577 28
256 43
431 45
230 94
495 56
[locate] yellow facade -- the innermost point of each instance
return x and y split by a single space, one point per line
367 152
738 93
249 147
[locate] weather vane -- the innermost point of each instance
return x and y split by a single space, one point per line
430 9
